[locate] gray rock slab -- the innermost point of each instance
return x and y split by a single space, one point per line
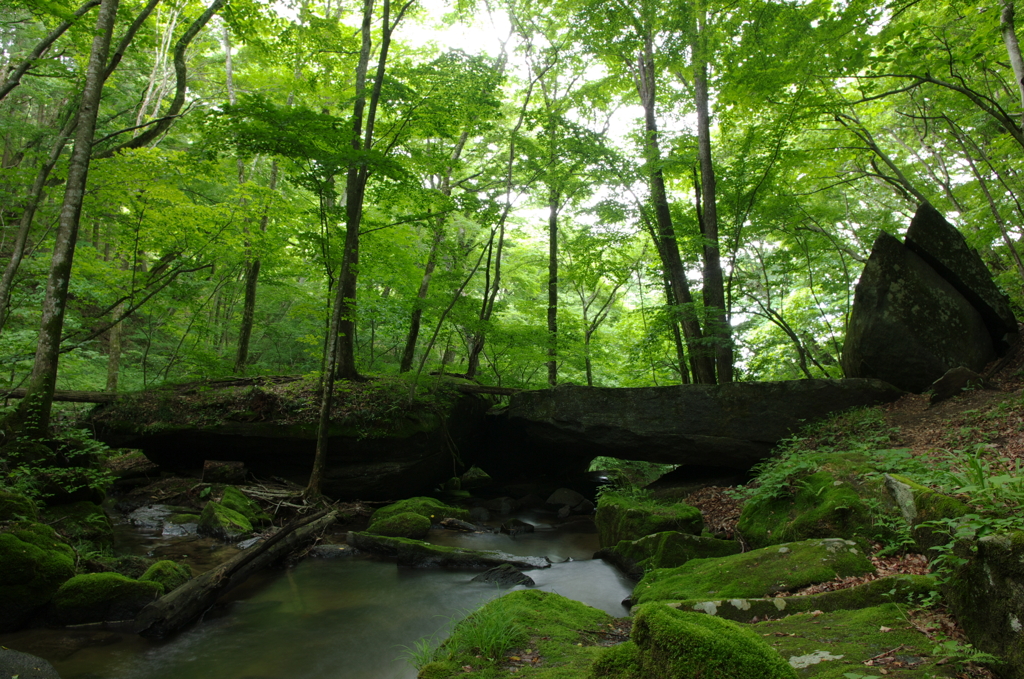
25 666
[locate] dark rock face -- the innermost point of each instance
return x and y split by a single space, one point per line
25 666
732 425
411 461
925 307
937 242
505 575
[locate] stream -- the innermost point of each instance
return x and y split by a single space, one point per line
349 617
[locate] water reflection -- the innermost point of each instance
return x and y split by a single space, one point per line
336 618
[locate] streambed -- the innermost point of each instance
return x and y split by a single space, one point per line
346 617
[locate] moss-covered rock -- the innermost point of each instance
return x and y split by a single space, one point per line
168 575
664 550
474 477
672 644
921 505
181 519
34 563
754 574
433 509
987 594
404 525
560 632
906 589
418 554
837 645
223 523
128 565
244 505
620 517
82 520
15 507
99 597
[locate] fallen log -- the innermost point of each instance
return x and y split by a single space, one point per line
176 609
70 396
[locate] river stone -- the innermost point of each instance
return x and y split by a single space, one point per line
729 425
622 517
25 666
102 597
505 575
34 563
908 325
416 554
938 243
667 549
223 523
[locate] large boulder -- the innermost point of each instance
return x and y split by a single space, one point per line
909 325
622 517
937 242
381 443
664 550
730 425
34 563
102 597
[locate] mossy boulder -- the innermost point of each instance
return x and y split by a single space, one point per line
667 549
168 574
433 509
182 519
244 505
419 554
34 563
82 520
621 517
832 501
474 477
15 507
920 505
100 597
987 594
561 632
222 522
761 572
404 525
904 589
671 644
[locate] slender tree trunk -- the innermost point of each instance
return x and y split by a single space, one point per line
252 276
717 321
1007 28
554 199
33 413
409 353
668 248
114 351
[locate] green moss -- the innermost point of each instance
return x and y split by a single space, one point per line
81 521
34 562
14 507
930 505
223 523
183 518
98 597
435 510
672 644
893 589
755 574
244 505
668 549
621 661
561 631
620 517
849 638
404 525
168 575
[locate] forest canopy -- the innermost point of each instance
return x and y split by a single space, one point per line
607 193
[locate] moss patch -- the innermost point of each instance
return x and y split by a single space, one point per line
435 510
620 517
665 550
223 523
894 589
34 562
244 505
81 521
851 637
98 597
404 525
168 575
669 643
14 507
762 572
560 632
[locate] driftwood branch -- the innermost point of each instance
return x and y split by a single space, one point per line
173 611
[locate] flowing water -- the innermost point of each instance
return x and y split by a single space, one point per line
346 618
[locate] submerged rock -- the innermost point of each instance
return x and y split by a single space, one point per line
416 554
505 575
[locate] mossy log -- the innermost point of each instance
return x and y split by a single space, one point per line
178 608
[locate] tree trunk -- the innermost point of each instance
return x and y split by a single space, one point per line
1007 28
114 351
409 353
716 320
665 237
33 413
554 198
252 276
